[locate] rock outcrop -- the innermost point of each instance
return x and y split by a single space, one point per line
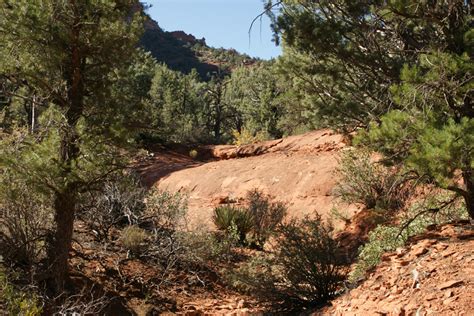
298 170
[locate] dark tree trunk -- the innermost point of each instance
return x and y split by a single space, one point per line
64 208
468 176
218 117
217 125
60 245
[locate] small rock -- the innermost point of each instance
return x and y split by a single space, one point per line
400 252
449 301
447 253
468 235
392 281
416 279
241 304
448 294
430 297
441 246
357 302
243 312
403 262
386 256
396 290
419 251
399 311
449 284
411 306
190 308
448 231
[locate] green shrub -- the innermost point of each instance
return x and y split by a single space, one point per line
303 267
165 211
133 239
266 216
228 218
204 247
381 239
311 268
256 223
388 238
18 301
256 277
193 153
246 137
369 183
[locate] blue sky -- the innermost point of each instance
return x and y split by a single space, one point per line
223 23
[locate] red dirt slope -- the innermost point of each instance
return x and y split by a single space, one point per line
434 275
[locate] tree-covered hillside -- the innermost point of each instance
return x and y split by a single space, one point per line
183 52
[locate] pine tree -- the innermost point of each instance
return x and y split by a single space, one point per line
73 54
252 94
403 66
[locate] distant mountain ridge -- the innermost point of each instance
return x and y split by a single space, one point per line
183 52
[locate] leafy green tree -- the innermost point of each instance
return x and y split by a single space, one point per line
178 105
253 96
74 54
217 109
306 104
434 134
355 50
405 66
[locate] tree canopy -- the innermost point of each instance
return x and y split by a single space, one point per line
401 69
76 61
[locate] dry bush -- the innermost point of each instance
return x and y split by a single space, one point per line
25 222
165 211
266 215
119 202
369 183
164 220
204 247
84 303
258 277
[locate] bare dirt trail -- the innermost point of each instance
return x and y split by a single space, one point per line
298 170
